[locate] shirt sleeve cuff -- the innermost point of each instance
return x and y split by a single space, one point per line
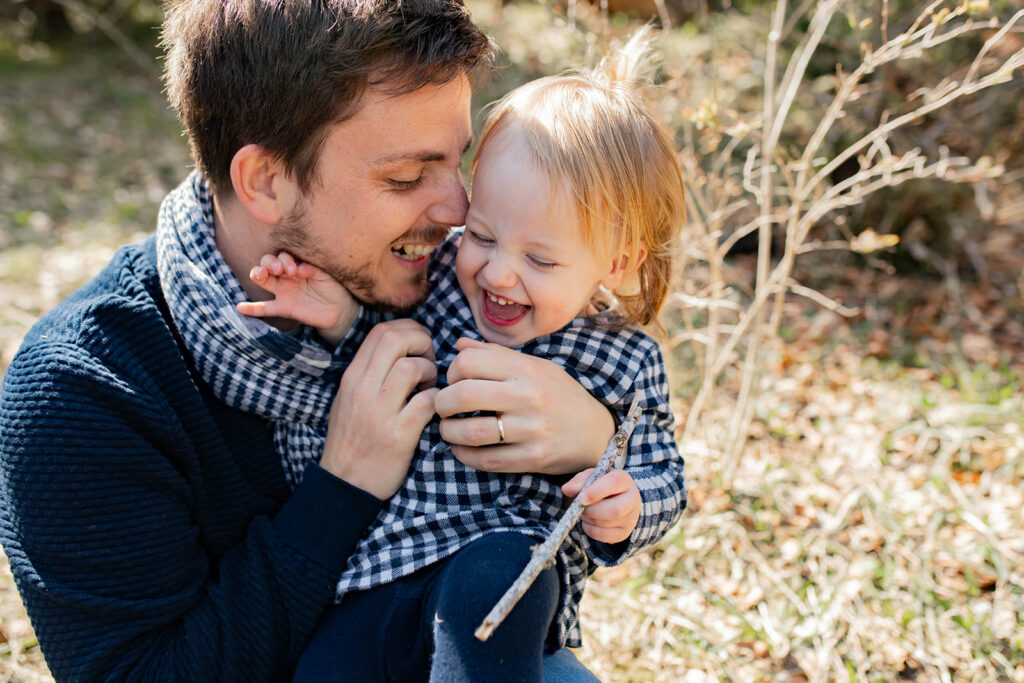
609 554
325 518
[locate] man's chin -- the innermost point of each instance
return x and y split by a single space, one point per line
399 305
401 297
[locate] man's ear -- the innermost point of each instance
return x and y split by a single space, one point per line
262 185
624 266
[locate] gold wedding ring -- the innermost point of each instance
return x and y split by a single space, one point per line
501 430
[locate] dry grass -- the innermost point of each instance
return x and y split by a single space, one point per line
856 490
872 532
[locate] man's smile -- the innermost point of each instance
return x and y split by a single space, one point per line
412 252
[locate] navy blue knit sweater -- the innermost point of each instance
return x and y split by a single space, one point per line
149 526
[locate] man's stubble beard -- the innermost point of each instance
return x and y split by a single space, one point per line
292 235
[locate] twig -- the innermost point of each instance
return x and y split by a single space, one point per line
114 33
663 15
823 300
543 555
771 115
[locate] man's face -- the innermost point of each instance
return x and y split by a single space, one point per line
388 190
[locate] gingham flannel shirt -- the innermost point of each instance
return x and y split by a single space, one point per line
444 505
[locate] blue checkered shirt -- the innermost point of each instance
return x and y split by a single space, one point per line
444 505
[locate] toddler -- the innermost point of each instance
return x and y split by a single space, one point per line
576 205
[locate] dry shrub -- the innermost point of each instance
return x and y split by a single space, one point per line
850 519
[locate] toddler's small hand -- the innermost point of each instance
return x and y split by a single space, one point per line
612 504
302 292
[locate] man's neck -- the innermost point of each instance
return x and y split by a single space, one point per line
241 241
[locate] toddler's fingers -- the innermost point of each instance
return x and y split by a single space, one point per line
612 511
306 271
287 263
253 309
611 484
572 487
272 264
259 275
607 534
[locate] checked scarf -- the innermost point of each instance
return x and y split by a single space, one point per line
250 365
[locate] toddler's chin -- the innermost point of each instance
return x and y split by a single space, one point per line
491 337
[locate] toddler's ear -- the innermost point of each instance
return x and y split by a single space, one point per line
624 266
262 185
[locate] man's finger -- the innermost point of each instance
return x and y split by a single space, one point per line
386 343
419 410
405 375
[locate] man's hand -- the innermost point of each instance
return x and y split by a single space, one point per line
611 504
551 424
374 423
303 293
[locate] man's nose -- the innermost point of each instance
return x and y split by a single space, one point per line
452 204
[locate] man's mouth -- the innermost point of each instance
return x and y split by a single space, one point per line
501 311
412 252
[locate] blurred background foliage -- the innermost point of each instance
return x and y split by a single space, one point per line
855 461
713 75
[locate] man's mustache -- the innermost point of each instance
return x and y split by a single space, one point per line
429 235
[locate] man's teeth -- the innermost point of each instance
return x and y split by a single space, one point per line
498 300
412 251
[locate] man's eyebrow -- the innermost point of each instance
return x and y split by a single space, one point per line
420 156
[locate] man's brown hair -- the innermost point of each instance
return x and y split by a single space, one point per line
279 73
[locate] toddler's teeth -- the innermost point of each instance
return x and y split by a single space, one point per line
498 300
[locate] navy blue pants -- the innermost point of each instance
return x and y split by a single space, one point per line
420 628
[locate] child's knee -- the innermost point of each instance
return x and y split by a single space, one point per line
480 574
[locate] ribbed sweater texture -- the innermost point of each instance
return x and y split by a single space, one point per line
149 526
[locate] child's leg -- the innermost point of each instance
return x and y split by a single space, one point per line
471 582
373 635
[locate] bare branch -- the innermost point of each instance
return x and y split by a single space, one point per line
543 555
820 298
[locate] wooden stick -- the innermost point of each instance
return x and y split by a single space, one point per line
543 556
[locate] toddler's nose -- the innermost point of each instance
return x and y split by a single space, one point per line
498 274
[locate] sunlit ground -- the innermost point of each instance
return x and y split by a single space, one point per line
870 529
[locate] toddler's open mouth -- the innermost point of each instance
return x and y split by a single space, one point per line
501 311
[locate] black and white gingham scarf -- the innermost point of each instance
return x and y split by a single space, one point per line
249 364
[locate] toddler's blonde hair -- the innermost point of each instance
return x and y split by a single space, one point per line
593 136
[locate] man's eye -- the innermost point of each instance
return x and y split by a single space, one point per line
480 239
402 185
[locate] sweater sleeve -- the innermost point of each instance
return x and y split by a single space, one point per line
99 524
652 459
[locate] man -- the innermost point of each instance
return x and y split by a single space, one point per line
155 526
